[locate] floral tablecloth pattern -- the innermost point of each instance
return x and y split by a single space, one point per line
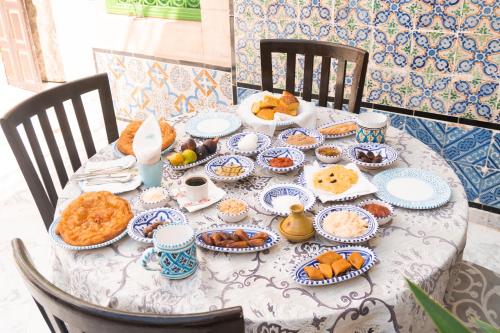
423 245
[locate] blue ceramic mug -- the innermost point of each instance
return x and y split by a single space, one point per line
175 249
371 127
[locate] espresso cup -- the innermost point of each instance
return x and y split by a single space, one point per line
196 188
174 245
371 127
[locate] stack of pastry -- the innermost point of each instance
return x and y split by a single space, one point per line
269 105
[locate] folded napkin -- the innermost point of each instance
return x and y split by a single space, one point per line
215 194
147 142
123 162
306 116
362 187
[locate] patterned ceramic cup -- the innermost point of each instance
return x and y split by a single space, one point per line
371 127
175 248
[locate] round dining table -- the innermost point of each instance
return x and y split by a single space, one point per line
421 245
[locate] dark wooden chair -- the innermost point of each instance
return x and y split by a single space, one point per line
327 51
65 313
45 194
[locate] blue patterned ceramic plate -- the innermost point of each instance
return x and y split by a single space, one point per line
269 195
119 154
209 125
338 122
365 215
61 243
263 142
300 275
412 188
227 161
389 154
136 226
296 155
192 165
292 131
251 230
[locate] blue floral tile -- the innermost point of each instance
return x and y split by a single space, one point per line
350 24
395 13
315 19
360 10
433 52
432 133
474 99
479 55
439 15
490 189
494 153
244 93
428 93
397 120
467 144
281 19
480 17
385 87
470 176
390 48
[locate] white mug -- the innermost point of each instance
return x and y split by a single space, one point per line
196 188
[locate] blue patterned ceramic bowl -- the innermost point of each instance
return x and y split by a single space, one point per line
209 125
270 194
136 226
251 230
300 276
263 142
381 220
292 131
226 161
389 154
369 218
61 243
296 155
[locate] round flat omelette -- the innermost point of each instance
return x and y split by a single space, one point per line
335 179
124 143
94 218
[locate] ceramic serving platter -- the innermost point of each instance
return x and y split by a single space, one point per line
192 165
412 188
209 125
365 215
251 230
263 142
135 228
283 136
229 160
61 243
119 154
296 155
389 154
338 122
300 275
270 194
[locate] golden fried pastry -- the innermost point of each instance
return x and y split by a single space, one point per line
326 270
94 218
340 266
338 129
356 260
313 273
269 102
267 114
124 143
328 257
256 242
269 105
335 179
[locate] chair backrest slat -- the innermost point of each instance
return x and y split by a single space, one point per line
340 84
44 193
291 60
68 312
40 161
83 123
327 51
53 149
308 77
69 141
45 316
324 81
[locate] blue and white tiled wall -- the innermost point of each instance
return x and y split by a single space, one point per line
439 59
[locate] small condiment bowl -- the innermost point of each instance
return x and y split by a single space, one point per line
296 155
148 204
232 218
326 158
380 220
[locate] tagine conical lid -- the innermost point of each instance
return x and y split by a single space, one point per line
297 223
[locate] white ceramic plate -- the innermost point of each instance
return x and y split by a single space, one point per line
212 124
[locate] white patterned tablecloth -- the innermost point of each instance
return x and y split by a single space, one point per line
423 245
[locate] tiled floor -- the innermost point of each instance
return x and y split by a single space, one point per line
19 216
